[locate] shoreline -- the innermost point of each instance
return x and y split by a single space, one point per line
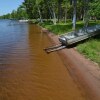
83 71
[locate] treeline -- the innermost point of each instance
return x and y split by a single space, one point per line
57 10
20 13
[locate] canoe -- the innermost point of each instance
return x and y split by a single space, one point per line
82 34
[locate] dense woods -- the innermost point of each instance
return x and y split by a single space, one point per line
57 11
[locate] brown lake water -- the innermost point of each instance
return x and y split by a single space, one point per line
27 72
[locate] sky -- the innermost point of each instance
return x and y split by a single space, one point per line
6 6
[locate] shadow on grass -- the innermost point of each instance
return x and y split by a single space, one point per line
97 37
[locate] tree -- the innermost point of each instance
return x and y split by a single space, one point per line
21 12
14 14
59 9
74 2
39 11
29 6
86 13
66 7
95 9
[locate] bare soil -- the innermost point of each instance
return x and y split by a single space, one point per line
85 72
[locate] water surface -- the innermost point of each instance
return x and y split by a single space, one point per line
27 72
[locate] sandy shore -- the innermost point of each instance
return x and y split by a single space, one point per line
84 72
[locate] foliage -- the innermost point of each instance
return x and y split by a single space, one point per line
57 10
20 13
91 49
95 9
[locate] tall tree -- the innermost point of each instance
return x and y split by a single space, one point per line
66 7
95 9
59 9
21 12
52 8
29 4
86 13
39 10
74 2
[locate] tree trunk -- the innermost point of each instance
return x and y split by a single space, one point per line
86 14
59 10
52 12
54 18
54 15
65 14
74 2
40 15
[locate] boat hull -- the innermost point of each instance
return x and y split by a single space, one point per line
77 36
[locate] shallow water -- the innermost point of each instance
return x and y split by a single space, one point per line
27 72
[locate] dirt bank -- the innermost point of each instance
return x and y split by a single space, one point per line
83 71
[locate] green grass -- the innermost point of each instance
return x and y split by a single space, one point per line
62 28
90 48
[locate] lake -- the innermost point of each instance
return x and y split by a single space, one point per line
27 72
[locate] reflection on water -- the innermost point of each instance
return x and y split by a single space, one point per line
26 71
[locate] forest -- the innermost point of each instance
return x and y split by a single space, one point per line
57 10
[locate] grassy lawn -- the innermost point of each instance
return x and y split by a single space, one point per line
62 28
90 48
